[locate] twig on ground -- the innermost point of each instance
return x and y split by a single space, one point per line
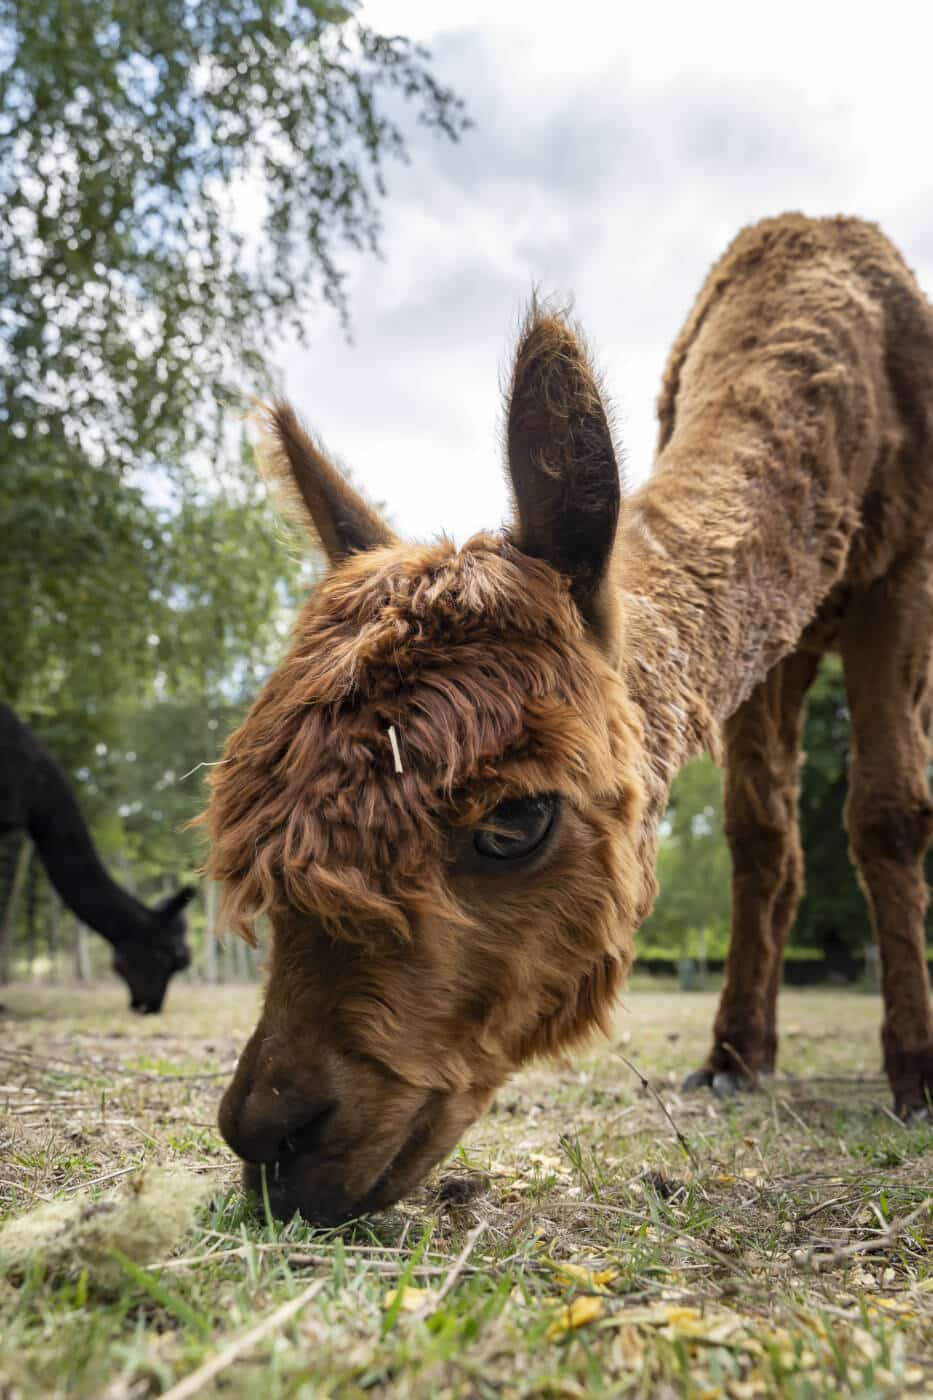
107 1176
390 1267
193 1384
758 1082
662 1105
302 1260
143 1134
372 1248
822 1205
789 1108
883 1241
456 1270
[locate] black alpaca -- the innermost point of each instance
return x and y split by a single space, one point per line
149 944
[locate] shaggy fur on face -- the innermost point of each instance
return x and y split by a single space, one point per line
392 947
446 907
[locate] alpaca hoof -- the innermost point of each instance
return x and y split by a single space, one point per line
699 1079
912 1116
725 1085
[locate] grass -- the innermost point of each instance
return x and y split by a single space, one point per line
569 1248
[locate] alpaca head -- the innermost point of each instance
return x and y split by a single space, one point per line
434 803
148 960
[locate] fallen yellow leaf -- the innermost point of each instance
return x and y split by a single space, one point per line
681 1317
889 1305
569 1274
412 1298
547 1161
577 1314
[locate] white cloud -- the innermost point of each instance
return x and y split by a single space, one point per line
613 159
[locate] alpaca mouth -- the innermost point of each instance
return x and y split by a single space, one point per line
397 1168
146 1007
288 1193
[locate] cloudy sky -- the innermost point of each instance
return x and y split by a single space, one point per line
617 149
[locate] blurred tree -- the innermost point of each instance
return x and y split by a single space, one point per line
196 607
833 915
693 864
176 181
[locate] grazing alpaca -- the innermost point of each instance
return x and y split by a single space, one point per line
447 798
149 944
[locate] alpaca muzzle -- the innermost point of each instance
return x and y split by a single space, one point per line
330 1136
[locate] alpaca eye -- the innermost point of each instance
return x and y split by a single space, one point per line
516 827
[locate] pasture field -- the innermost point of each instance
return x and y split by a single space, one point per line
573 1247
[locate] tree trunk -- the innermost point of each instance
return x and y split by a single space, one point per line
82 959
226 962
210 932
8 924
241 958
53 916
32 927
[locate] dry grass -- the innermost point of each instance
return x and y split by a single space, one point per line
573 1247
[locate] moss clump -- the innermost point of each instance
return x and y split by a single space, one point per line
145 1221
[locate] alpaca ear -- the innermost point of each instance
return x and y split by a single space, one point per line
310 486
176 902
561 459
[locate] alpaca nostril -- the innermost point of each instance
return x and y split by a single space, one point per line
263 1126
307 1138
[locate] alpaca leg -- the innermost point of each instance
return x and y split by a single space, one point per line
887 653
760 790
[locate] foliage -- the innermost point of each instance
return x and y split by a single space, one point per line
833 914
167 598
176 182
693 864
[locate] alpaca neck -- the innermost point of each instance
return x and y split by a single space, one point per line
57 828
718 572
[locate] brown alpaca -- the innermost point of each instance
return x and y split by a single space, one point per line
441 914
